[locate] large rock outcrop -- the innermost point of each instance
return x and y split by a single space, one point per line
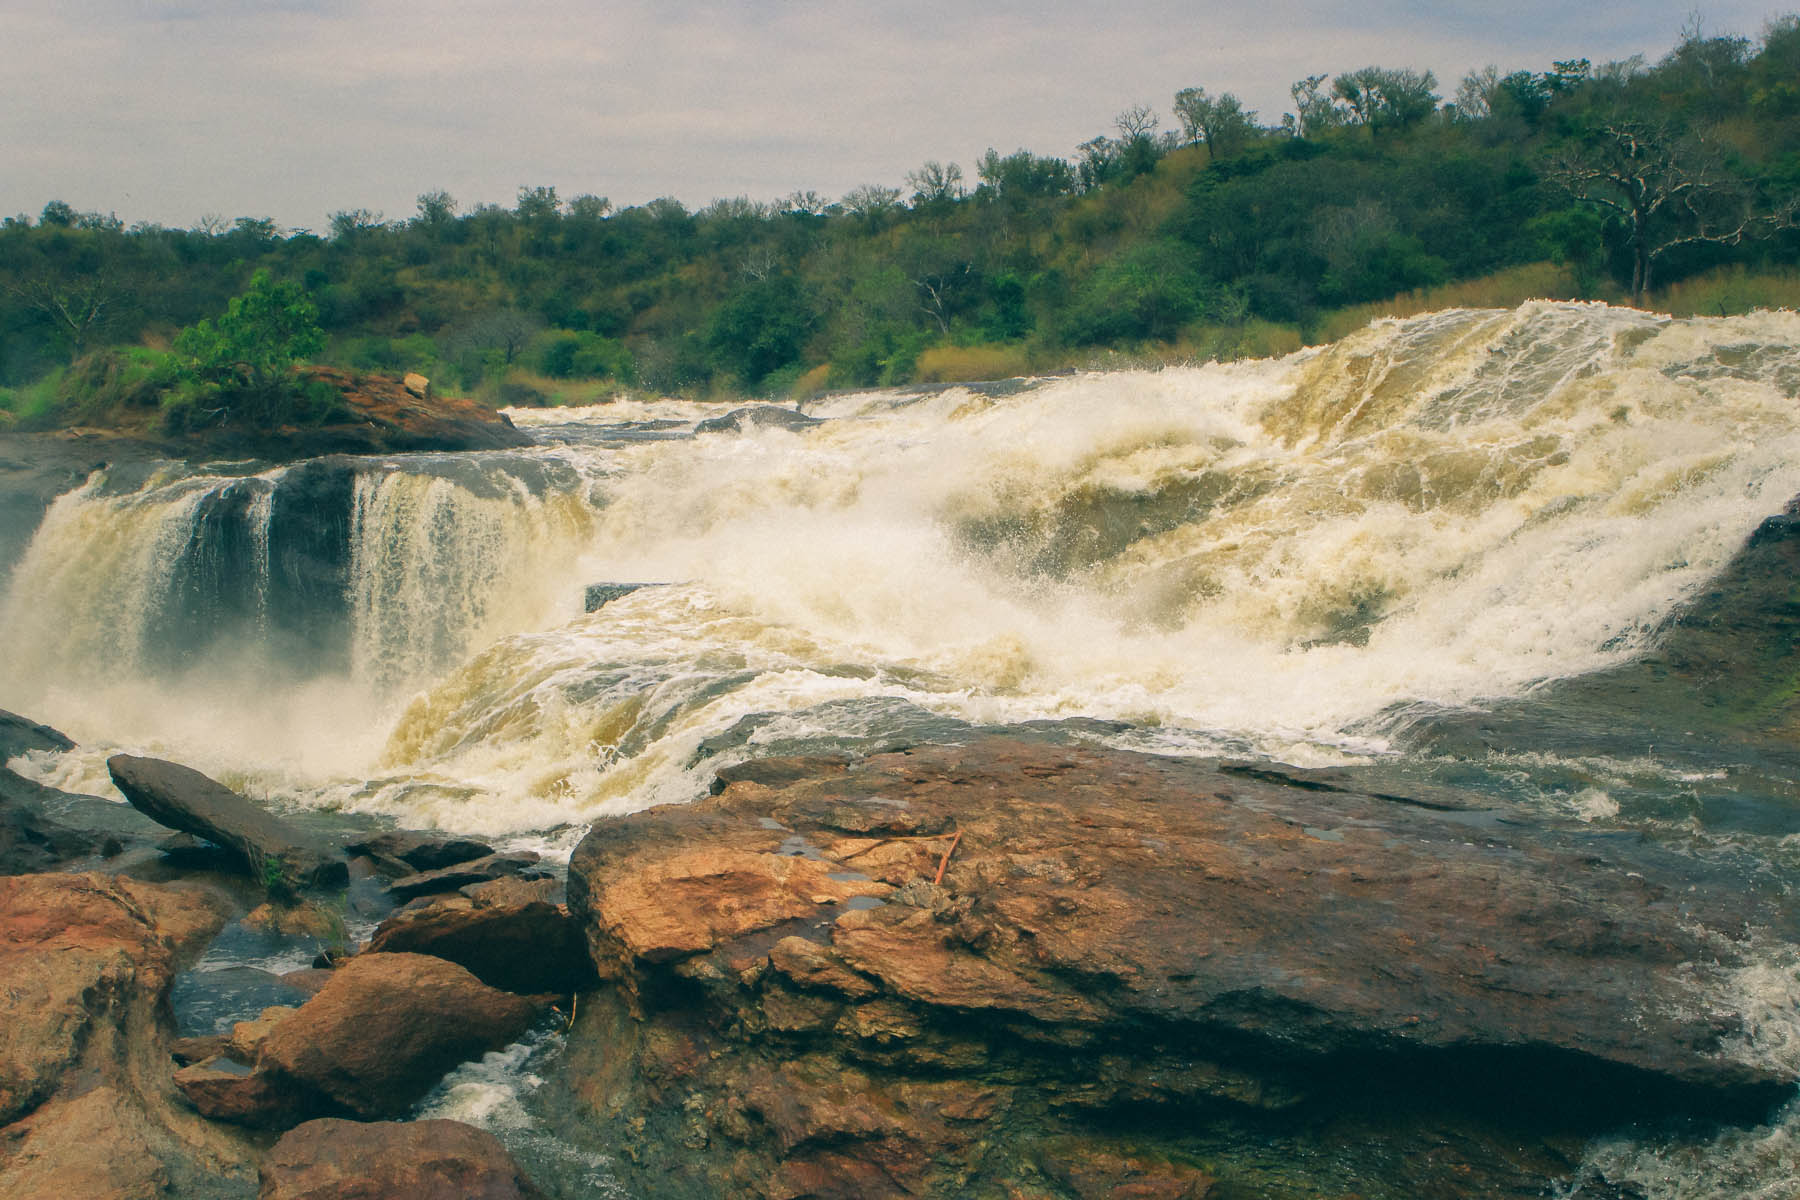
897 976
87 1105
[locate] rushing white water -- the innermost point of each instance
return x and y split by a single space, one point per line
1267 555
1278 558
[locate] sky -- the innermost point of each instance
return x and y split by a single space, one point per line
171 111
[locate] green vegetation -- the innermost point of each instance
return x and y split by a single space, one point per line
1675 184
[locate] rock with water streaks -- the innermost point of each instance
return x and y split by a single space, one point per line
265 846
1135 943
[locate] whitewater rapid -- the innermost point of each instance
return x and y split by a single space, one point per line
1268 557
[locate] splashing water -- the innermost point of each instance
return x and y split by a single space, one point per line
1442 509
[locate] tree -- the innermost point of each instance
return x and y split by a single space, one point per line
1670 191
353 221
871 201
538 205
1387 98
247 351
436 209
1223 123
77 307
936 183
1314 108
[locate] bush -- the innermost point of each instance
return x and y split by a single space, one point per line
580 355
248 350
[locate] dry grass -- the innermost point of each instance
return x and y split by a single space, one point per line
965 364
1728 291
1503 289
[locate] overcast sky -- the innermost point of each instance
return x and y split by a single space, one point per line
170 110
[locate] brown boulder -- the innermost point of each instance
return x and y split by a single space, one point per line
420 1160
507 933
373 1040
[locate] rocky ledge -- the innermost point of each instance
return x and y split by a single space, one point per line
1019 969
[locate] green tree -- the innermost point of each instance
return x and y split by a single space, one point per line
1387 98
1221 122
248 350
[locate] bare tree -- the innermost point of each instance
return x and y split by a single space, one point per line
935 182
1671 191
77 307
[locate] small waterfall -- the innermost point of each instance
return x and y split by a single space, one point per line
439 569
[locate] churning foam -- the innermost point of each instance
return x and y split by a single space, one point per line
1268 554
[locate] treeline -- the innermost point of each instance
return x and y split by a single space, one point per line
1218 234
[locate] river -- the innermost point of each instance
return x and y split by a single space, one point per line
1325 560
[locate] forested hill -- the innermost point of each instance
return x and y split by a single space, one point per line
1206 231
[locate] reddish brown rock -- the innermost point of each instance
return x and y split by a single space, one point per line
420 1160
371 1042
86 963
1117 934
508 933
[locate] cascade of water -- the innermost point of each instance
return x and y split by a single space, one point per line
1440 509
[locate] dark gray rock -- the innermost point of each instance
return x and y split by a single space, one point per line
420 850
183 799
758 416
521 863
599 595
19 735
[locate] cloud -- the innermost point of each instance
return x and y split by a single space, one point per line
166 109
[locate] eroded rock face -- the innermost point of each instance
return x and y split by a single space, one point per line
1117 935
86 963
420 1160
375 1038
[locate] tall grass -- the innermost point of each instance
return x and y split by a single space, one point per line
1727 291
1503 289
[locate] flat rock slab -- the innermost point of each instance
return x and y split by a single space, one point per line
183 799
865 970
1092 892
389 1160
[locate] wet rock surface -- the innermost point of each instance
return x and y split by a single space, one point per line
521 864
1120 941
183 799
422 1160
758 416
